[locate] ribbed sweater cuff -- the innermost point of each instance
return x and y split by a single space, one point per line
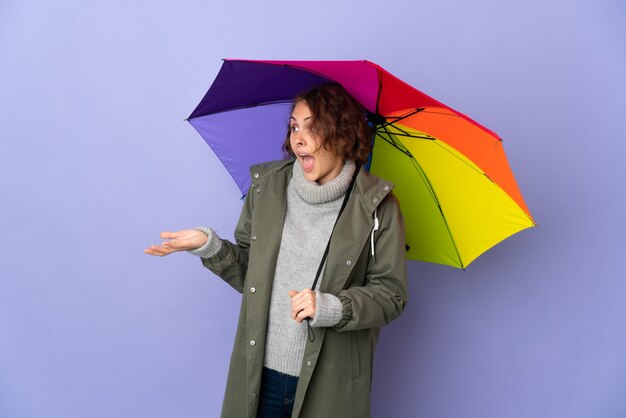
211 247
328 310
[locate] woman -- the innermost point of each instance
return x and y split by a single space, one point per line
299 351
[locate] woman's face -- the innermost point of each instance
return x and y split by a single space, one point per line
319 164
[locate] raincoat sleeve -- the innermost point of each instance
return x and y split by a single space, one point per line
231 261
384 294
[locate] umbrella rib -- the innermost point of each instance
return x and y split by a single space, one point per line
394 144
479 171
418 167
428 137
408 135
404 132
456 114
368 164
414 161
390 135
389 139
429 186
465 162
399 118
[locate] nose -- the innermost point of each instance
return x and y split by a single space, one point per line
297 138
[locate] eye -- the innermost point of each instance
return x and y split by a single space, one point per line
294 128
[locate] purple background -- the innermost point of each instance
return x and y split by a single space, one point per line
95 160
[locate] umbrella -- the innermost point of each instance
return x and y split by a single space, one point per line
456 189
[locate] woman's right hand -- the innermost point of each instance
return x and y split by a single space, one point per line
187 239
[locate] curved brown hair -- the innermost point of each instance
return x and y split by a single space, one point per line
338 119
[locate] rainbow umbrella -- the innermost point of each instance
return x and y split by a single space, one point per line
456 189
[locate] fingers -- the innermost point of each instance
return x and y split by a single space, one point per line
167 247
180 241
158 251
169 235
302 304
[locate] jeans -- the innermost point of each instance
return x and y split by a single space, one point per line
278 391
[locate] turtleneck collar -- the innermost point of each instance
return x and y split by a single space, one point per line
311 192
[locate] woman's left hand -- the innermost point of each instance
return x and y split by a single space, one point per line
302 304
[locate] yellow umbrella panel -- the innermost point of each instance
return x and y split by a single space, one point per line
453 211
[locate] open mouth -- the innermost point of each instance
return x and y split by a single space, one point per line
307 162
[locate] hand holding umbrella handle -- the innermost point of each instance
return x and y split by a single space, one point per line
304 308
303 304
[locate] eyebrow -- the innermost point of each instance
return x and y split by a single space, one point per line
308 117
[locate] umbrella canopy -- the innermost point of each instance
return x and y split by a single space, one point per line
456 189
